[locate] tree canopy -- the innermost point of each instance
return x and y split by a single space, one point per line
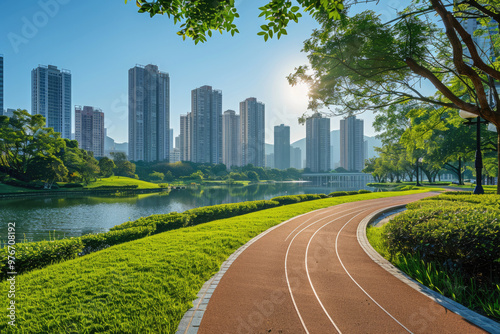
199 18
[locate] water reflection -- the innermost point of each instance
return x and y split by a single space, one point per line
37 219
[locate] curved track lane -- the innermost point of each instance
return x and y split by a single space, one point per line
310 275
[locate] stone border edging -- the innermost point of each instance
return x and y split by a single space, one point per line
191 320
471 316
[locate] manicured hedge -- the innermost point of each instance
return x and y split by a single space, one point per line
459 231
338 193
36 255
197 216
290 199
96 242
346 193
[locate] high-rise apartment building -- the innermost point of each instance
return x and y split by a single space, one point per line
352 146
89 129
1 84
171 141
185 138
296 158
318 143
281 147
149 114
253 132
205 125
231 146
51 97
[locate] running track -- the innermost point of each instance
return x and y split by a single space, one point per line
310 275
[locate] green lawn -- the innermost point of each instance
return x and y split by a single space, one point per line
120 181
143 286
7 189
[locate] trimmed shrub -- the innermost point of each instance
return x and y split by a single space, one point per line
291 199
95 242
352 192
457 231
34 255
364 191
338 193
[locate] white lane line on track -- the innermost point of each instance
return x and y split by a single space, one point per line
326 211
359 286
309 277
286 260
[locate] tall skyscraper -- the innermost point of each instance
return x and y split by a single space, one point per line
281 147
352 146
89 129
51 97
1 84
149 114
171 141
185 138
253 132
231 146
318 143
206 125
296 158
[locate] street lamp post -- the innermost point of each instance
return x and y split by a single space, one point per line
479 157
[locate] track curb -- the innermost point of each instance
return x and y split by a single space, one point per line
471 316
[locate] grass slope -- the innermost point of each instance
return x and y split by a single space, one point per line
143 286
120 181
8 189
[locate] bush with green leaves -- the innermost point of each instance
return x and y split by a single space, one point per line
460 231
290 199
34 255
364 191
96 242
338 193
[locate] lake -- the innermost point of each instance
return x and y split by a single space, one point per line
59 217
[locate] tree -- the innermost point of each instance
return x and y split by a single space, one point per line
89 167
199 18
106 166
24 138
157 176
47 168
360 63
123 166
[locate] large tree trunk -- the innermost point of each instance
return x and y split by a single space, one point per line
460 181
498 159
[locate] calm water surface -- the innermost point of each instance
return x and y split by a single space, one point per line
44 218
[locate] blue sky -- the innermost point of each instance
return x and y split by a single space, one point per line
99 41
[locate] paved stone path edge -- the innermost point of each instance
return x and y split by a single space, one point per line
481 321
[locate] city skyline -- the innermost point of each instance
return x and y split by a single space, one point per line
266 70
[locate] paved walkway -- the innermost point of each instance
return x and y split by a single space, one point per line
311 275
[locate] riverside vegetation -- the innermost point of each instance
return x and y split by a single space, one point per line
450 243
144 285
